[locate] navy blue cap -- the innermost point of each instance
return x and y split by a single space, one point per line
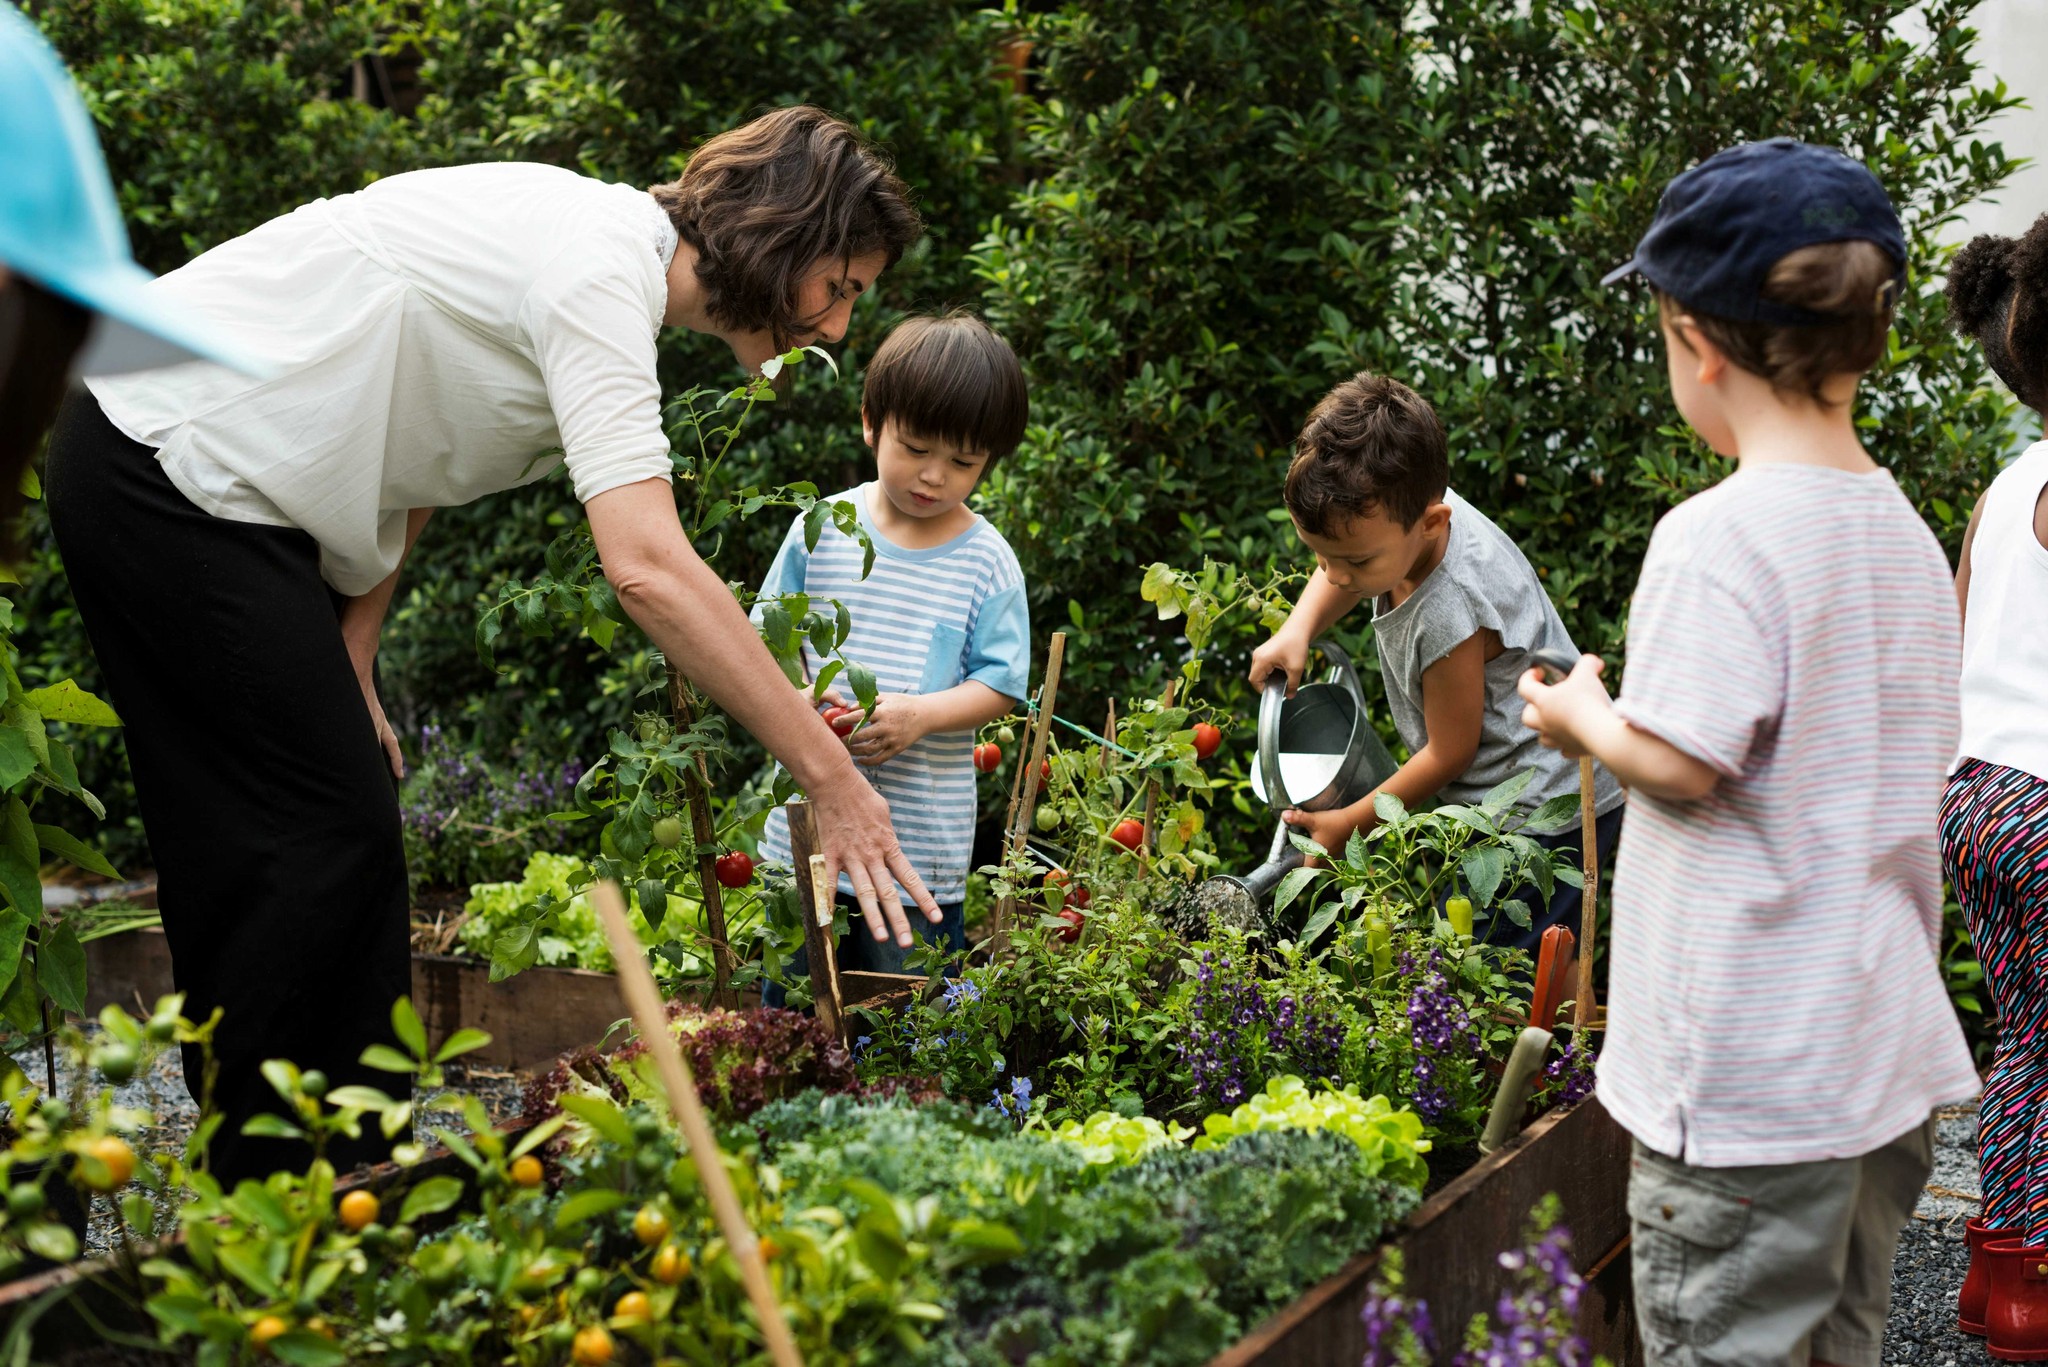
1723 225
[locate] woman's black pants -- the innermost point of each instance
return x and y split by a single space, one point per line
270 808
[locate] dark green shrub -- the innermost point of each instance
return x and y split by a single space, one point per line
1249 201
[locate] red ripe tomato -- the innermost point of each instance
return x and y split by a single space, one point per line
1071 931
1128 833
1207 739
988 757
734 869
1044 772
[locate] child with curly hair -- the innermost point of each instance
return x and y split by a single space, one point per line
1994 814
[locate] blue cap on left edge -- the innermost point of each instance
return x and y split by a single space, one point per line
60 225
1721 227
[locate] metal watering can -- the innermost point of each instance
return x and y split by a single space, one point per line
1317 750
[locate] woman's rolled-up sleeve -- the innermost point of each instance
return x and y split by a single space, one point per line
592 318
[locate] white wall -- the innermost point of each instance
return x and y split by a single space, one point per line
2012 46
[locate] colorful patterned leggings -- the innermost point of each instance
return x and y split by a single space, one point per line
1994 846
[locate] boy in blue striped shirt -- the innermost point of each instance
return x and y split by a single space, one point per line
941 619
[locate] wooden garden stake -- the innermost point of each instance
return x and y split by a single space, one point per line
1152 788
1034 760
818 897
697 794
636 985
1589 915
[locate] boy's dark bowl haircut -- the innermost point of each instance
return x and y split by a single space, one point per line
1853 282
1372 443
764 203
949 378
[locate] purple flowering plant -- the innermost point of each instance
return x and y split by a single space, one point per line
1249 1016
1087 1022
1532 1324
467 820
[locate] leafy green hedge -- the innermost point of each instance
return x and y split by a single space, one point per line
1202 217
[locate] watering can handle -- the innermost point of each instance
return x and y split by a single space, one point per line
1270 703
1558 662
1340 669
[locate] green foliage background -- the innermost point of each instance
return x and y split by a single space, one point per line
1196 219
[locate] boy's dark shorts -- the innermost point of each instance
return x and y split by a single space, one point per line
1778 1264
1565 902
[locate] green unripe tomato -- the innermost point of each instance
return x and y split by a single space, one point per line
161 1029
1005 735
116 1062
1046 818
313 1083
668 832
650 731
25 1201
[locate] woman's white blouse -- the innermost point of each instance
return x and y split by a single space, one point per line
438 336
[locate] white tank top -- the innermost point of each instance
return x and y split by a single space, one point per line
2005 628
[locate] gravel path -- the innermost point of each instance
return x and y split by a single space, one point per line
1932 1257
161 1091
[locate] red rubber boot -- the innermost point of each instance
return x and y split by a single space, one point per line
1977 1284
2016 1309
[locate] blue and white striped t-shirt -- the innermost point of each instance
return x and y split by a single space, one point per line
923 621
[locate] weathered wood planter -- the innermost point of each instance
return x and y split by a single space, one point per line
1450 1247
532 1019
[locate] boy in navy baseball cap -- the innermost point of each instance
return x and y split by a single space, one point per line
1778 1033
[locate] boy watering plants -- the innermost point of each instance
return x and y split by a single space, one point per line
941 619
1777 1028
1455 610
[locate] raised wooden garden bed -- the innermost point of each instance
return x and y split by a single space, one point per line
1451 1244
532 1018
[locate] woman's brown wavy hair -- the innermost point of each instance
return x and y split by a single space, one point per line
766 202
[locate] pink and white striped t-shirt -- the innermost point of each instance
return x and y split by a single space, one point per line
1776 993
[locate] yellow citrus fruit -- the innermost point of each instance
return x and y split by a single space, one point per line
592 1348
650 1226
266 1329
634 1305
118 1159
526 1171
671 1265
358 1211
321 1327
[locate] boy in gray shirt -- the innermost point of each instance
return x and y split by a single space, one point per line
1456 609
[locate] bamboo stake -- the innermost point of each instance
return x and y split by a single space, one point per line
1589 914
1152 787
697 794
818 898
636 985
1034 760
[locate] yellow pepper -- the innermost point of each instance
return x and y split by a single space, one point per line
1380 941
1459 910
